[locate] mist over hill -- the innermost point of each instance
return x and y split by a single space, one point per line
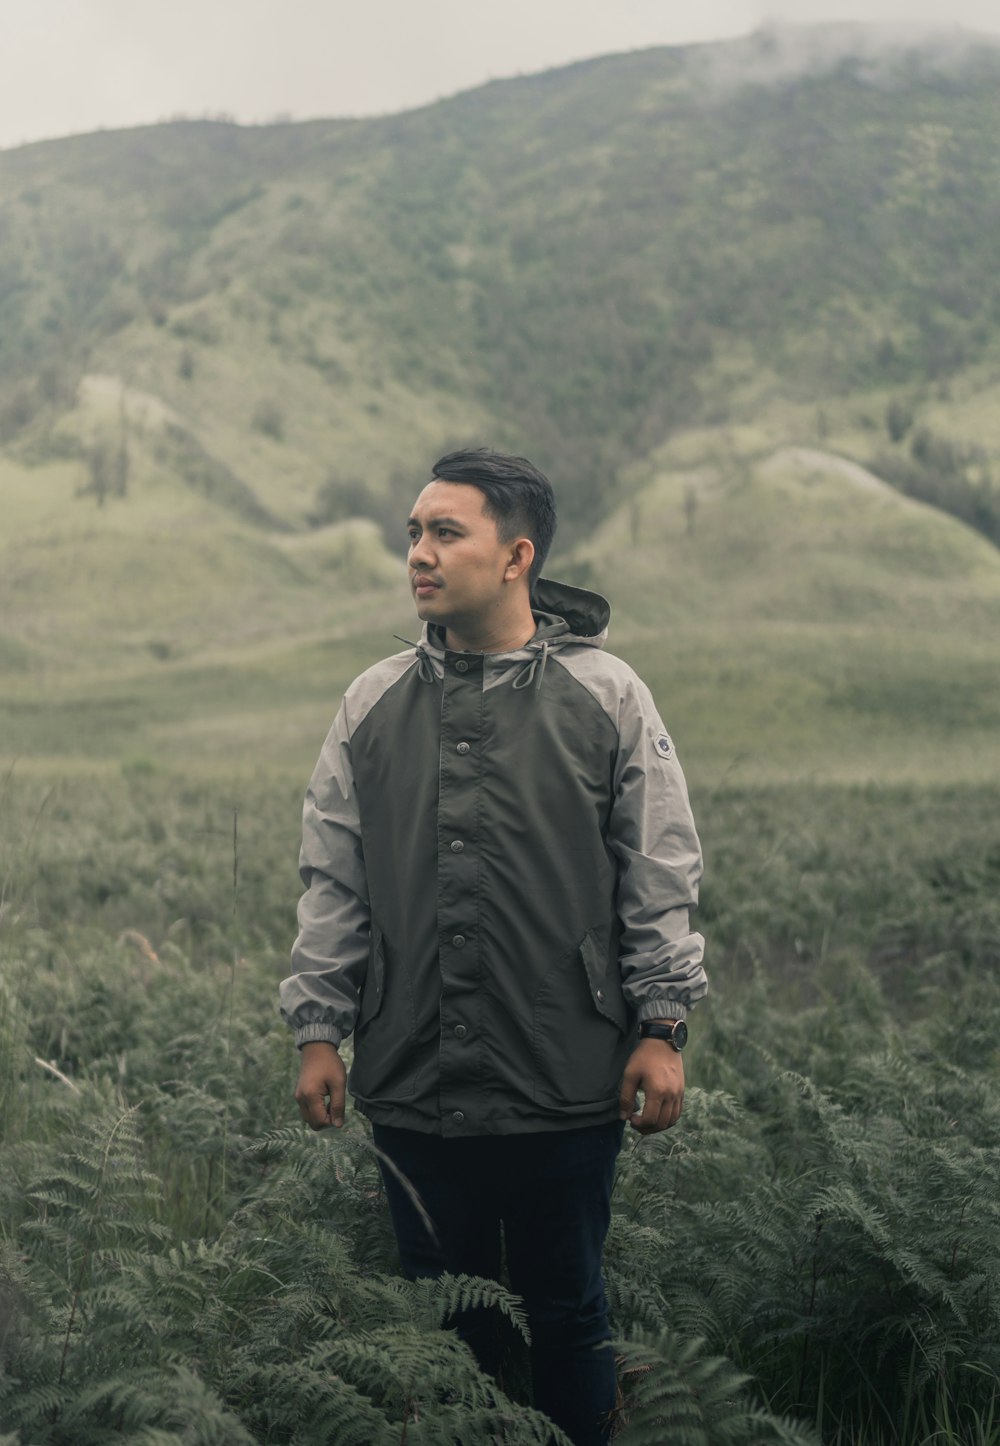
580 262
228 355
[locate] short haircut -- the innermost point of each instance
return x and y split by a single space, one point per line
518 496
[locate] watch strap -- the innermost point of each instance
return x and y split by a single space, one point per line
675 1034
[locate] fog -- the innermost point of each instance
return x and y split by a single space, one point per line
67 67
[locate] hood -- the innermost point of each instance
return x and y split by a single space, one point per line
569 614
563 614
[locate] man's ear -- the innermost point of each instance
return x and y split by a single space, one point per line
522 555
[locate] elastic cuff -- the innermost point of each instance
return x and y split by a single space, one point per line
314 1033
662 1009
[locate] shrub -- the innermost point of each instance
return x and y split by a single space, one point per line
269 419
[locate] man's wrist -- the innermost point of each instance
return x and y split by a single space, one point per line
662 1009
318 1034
673 1032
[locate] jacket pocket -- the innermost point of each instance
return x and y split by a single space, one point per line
605 986
373 989
386 1064
580 1032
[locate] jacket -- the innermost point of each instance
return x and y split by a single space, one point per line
499 859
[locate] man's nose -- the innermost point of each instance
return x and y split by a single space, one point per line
421 554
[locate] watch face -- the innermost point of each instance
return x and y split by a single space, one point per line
680 1034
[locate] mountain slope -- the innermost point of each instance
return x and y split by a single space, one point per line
796 617
795 534
576 263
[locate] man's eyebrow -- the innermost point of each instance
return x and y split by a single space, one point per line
437 522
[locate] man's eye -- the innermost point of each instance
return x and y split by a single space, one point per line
445 532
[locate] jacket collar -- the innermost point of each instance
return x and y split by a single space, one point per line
564 615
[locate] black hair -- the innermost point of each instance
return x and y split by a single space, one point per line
518 496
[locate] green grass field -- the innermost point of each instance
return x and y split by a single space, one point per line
180 1261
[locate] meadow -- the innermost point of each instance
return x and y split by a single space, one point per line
811 1255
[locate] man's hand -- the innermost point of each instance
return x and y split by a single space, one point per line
322 1085
657 1069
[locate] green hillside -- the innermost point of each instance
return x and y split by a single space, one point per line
587 259
795 617
798 618
723 294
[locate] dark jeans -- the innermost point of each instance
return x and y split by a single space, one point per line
552 1194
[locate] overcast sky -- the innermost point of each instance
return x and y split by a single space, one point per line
75 65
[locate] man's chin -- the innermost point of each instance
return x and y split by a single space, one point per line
428 607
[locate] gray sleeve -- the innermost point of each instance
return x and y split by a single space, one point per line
653 836
319 1000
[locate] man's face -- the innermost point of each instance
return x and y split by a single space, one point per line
456 559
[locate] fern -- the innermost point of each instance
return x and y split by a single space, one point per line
825 1219
678 1393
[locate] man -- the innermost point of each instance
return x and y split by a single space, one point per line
499 860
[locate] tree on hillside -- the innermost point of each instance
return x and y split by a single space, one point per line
99 459
898 419
120 469
339 498
108 462
953 476
690 508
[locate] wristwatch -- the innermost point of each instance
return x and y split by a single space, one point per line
675 1033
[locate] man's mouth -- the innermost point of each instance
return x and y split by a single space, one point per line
425 585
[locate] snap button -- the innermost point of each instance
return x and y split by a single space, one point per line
458 1118
460 1031
457 846
600 995
459 941
461 666
462 748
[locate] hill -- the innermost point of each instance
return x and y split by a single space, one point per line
795 617
723 294
585 259
798 618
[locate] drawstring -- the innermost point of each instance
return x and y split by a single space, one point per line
425 668
532 670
